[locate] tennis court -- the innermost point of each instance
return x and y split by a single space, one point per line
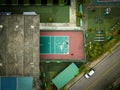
62 45
54 44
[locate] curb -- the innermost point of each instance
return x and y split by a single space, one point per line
73 81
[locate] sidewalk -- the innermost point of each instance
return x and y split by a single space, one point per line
58 26
73 81
73 13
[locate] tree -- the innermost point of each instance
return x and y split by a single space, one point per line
90 29
80 15
95 50
81 1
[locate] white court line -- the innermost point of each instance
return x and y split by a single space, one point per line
68 44
50 45
64 40
16 83
54 45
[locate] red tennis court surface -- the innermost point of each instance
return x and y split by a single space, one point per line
75 46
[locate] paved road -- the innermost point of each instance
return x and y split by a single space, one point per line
105 72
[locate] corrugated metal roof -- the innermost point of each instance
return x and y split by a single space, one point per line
65 76
15 83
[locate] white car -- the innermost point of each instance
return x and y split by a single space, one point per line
90 73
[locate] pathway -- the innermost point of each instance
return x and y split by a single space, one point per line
92 64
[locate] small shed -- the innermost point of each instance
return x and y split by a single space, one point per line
65 76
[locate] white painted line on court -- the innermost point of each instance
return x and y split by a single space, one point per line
54 45
67 45
50 44
16 83
57 44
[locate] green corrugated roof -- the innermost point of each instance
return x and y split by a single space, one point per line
65 76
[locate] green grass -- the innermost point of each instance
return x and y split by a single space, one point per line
52 69
77 12
55 13
90 37
58 13
26 2
14 2
2 2
38 2
92 19
108 20
87 1
61 2
49 2
82 68
111 43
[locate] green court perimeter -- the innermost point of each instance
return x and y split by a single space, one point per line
59 14
54 45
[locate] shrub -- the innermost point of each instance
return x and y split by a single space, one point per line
50 19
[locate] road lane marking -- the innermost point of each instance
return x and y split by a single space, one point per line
103 74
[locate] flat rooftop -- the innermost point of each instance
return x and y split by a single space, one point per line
19 36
